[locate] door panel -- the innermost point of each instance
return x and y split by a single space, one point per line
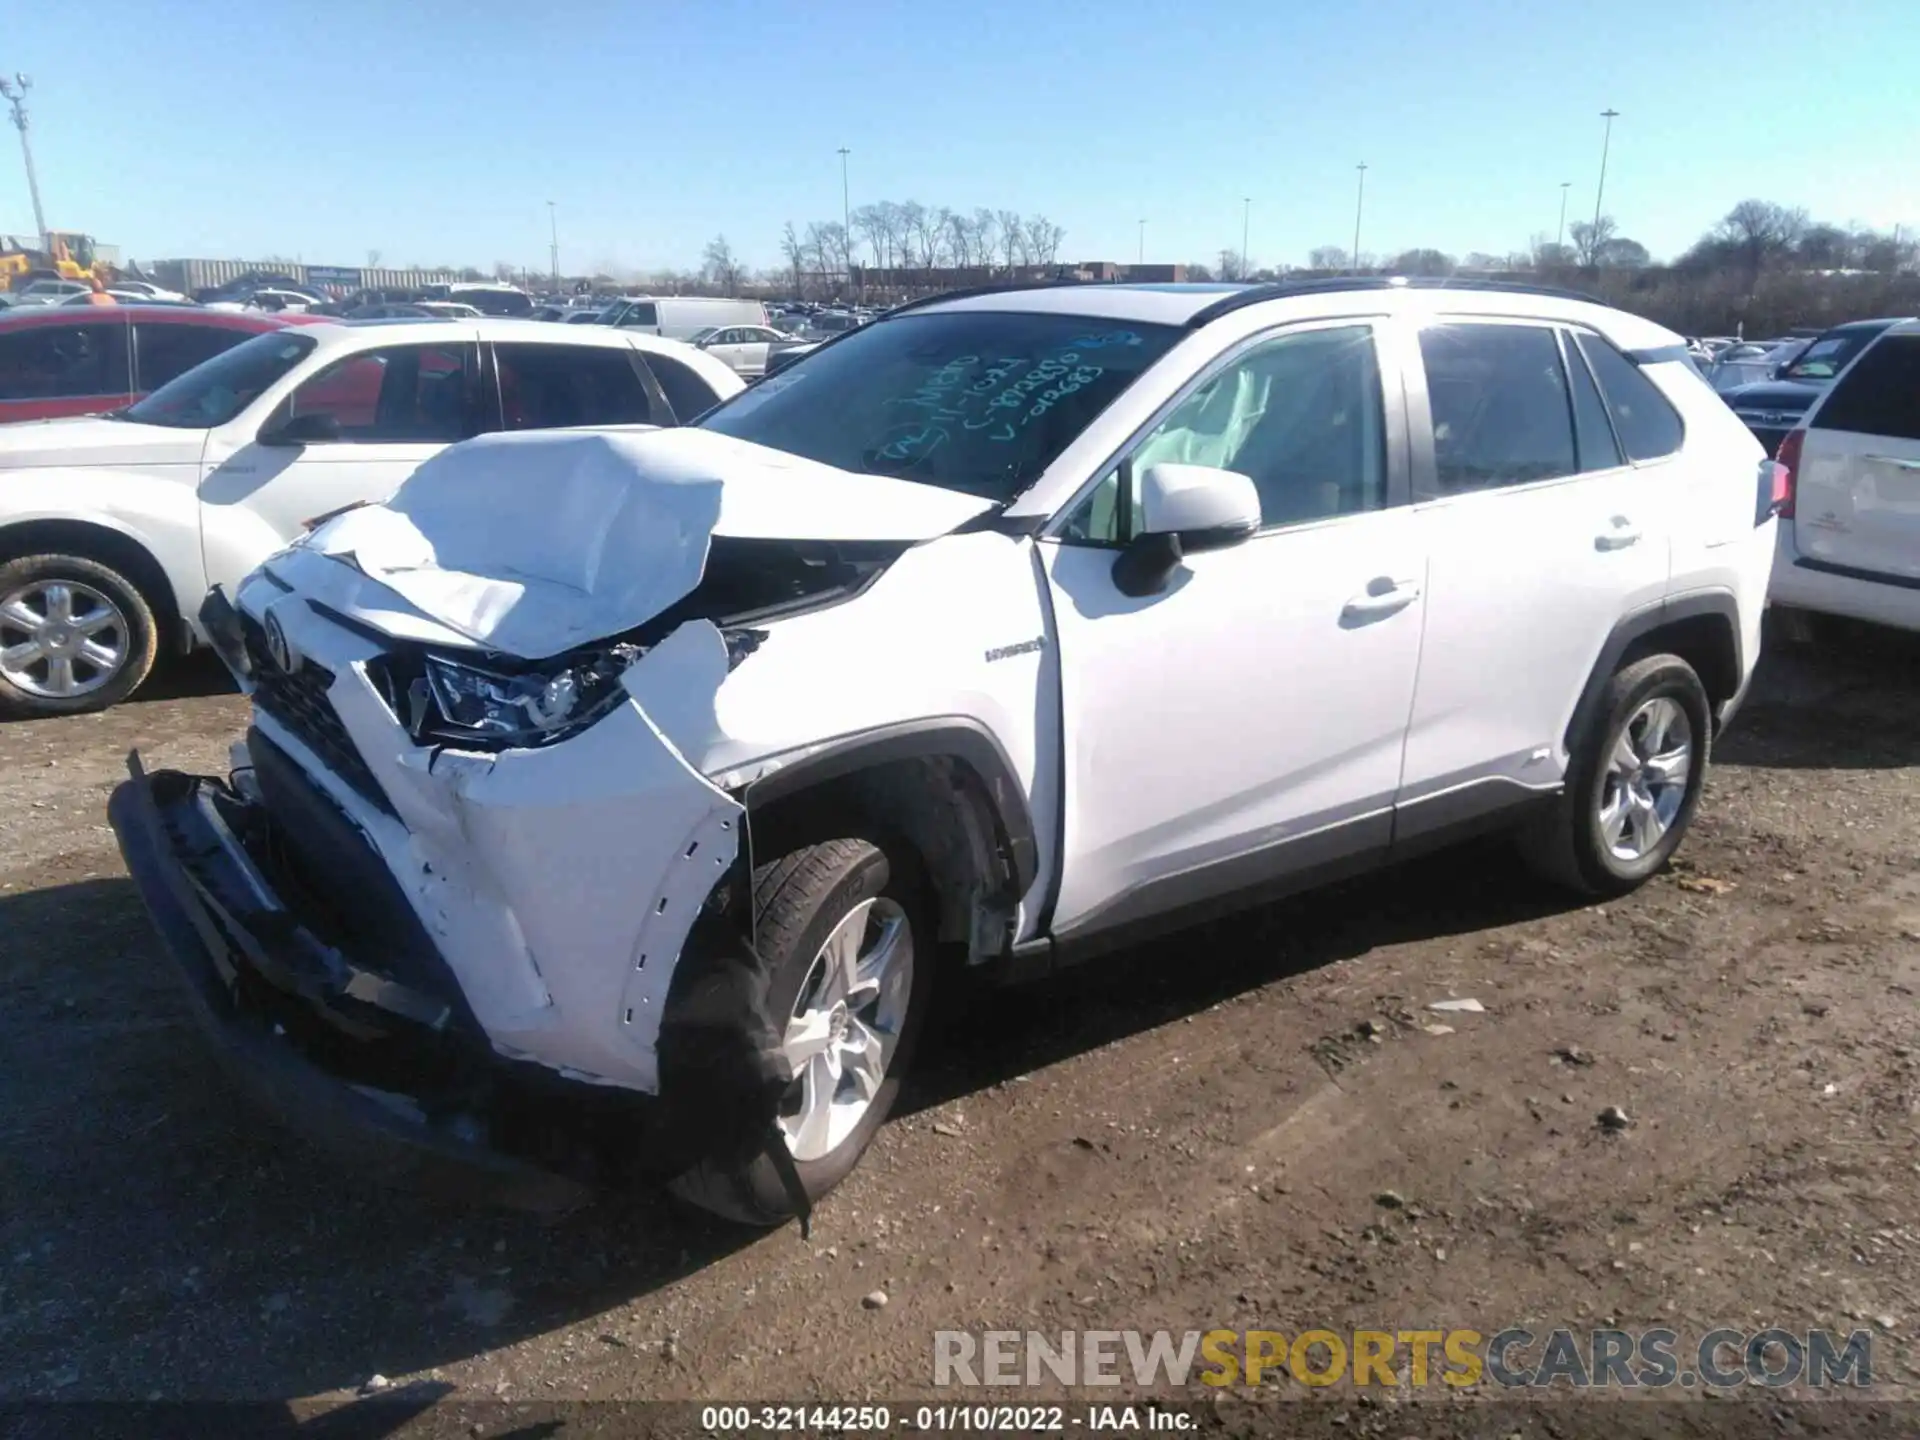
1252 704
1530 561
1249 718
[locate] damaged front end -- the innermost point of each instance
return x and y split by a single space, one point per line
464 907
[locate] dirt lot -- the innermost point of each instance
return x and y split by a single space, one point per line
1198 1134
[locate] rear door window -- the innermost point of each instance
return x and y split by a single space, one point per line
545 387
1647 424
58 362
685 391
1501 414
163 351
1880 395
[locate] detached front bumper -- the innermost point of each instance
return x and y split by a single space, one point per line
273 999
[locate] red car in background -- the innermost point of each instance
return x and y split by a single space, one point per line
82 360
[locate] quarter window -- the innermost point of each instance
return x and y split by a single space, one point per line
1593 432
1500 408
1646 422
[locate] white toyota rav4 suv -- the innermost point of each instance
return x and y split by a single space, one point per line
611 800
113 528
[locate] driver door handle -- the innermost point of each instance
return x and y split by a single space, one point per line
1622 533
1381 597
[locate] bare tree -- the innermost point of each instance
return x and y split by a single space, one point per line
959 236
1589 236
1232 265
828 248
795 252
1422 262
1327 257
1013 237
1759 232
720 266
986 236
1198 271
1044 237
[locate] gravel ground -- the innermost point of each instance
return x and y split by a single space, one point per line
1253 1125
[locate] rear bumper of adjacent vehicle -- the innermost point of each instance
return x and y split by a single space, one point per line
1804 583
257 979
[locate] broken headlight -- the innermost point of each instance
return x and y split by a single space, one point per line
465 704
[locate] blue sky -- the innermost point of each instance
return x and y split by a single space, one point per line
436 132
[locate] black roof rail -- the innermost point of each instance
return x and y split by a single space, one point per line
1283 289
1005 287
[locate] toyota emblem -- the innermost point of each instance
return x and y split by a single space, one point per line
279 649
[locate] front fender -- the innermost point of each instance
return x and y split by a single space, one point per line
159 513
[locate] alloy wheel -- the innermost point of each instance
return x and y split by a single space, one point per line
1645 781
61 639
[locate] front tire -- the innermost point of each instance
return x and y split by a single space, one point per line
75 635
1633 785
845 932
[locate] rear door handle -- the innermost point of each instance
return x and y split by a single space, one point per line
1621 533
1383 596
1899 462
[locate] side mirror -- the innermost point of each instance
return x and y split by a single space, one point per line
316 428
1184 509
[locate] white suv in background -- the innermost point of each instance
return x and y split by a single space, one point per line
611 800
113 528
1853 547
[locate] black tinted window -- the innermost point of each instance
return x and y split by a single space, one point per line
544 387
645 314
166 351
1499 400
56 362
1647 424
977 401
1598 448
1880 395
685 391
493 302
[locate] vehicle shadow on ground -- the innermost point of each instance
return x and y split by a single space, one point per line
185 677
1477 886
1845 702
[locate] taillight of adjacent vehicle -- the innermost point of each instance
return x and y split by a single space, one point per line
1786 468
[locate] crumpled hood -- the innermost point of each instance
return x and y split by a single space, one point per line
1792 396
92 440
536 542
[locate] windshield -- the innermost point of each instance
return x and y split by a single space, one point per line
974 401
1826 358
702 333
214 392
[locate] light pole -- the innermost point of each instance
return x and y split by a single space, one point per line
846 215
1600 190
1560 237
553 249
15 91
1359 205
1246 224
1141 257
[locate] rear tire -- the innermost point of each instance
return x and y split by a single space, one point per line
75 635
1633 783
813 895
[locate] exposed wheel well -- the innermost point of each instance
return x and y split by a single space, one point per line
939 806
1706 642
108 547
